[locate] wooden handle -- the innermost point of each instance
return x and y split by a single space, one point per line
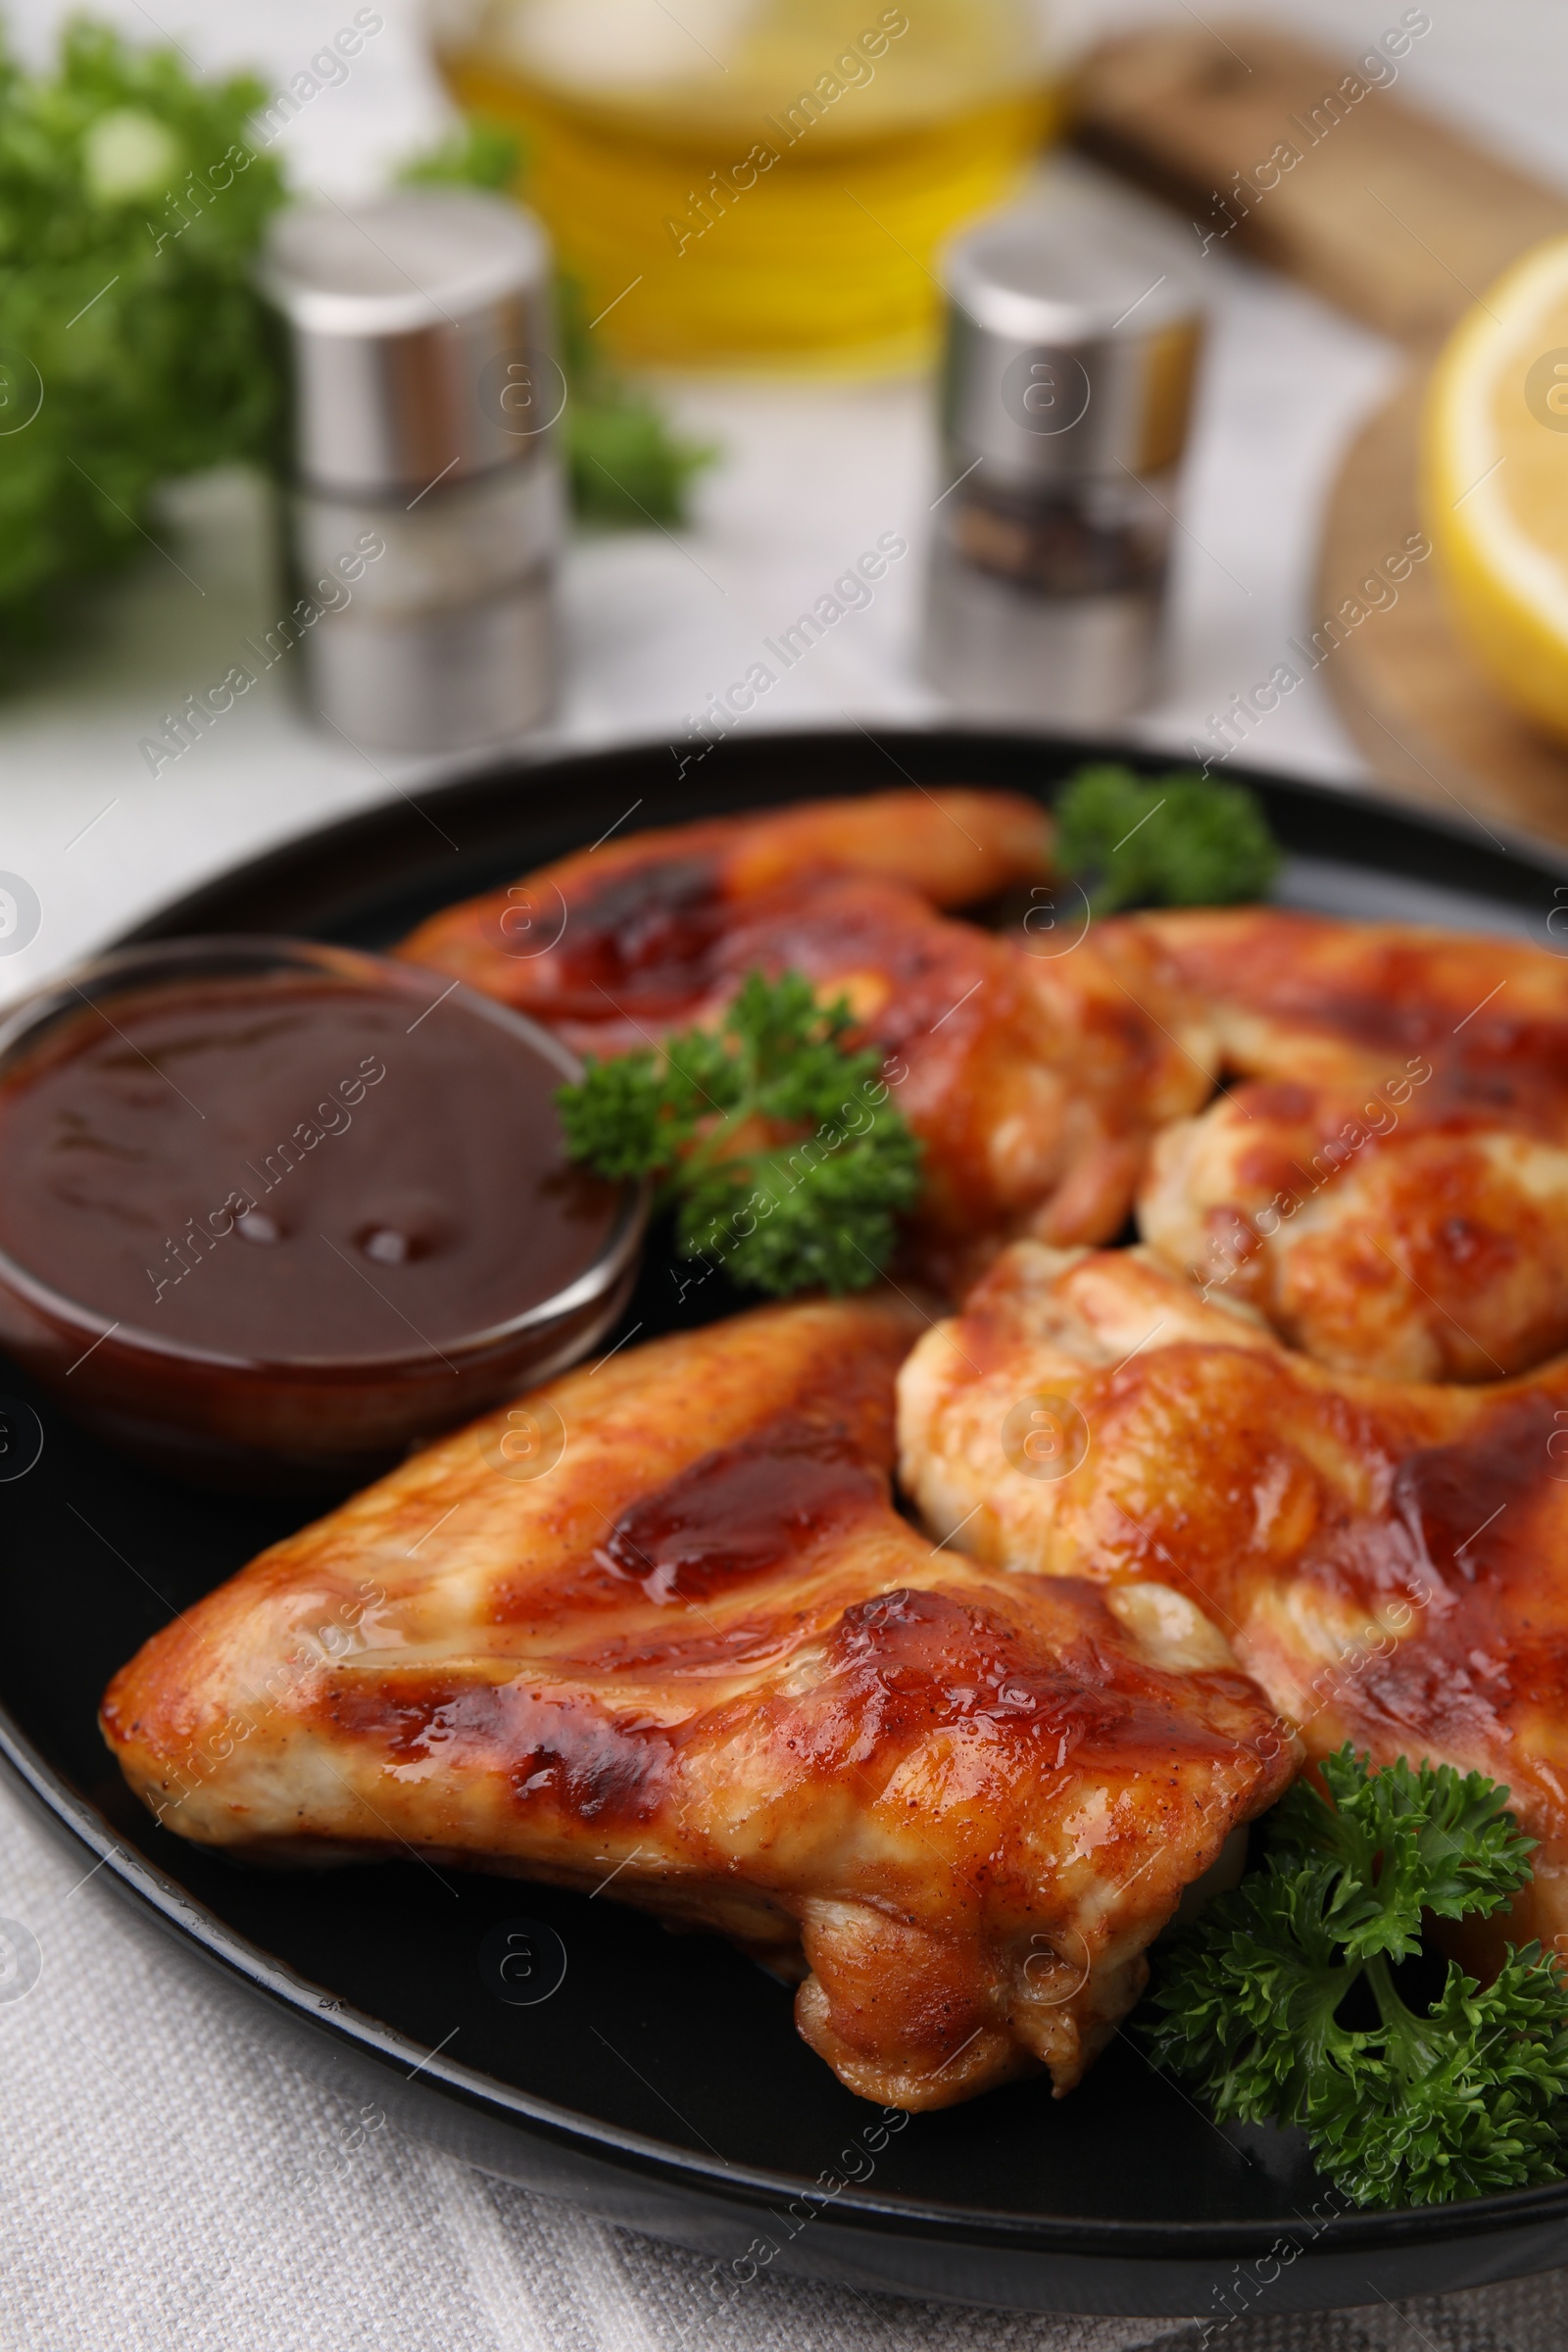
1316 165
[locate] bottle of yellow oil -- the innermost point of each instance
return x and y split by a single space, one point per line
758 183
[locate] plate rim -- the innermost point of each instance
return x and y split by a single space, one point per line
178 1913
344 833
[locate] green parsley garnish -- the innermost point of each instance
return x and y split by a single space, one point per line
812 1208
134 347
133 199
479 154
1402 2104
1181 839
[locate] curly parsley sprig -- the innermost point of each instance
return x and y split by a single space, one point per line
772 1140
1415 2108
133 345
1181 839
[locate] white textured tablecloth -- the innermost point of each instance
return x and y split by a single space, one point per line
171 2181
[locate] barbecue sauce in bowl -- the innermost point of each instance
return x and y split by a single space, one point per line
283 1204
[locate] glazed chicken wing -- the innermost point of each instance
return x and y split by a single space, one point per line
641 914
1390 1562
1036 1080
1423 1242
1391 1189
1307 996
658 1629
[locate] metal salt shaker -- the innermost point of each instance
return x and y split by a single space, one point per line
424 505
1073 337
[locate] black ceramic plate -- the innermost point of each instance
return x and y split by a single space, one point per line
662 2083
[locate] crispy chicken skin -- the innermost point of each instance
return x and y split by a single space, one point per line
1391 1187
1034 1079
1390 1562
699 1660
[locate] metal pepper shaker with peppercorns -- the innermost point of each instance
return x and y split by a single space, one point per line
1073 338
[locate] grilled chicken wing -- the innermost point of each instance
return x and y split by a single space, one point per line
659 1629
1434 1249
1309 998
1390 1562
1392 1188
1036 1080
638 916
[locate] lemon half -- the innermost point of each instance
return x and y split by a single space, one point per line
1495 482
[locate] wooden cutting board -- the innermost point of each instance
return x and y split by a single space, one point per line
1393 217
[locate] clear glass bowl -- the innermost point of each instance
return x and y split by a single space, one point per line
303 1423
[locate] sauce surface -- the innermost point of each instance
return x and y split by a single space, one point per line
293 1165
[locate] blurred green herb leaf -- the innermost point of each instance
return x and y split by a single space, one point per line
479 154
133 345
1181 839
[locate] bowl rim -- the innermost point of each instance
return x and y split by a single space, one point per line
21 1021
